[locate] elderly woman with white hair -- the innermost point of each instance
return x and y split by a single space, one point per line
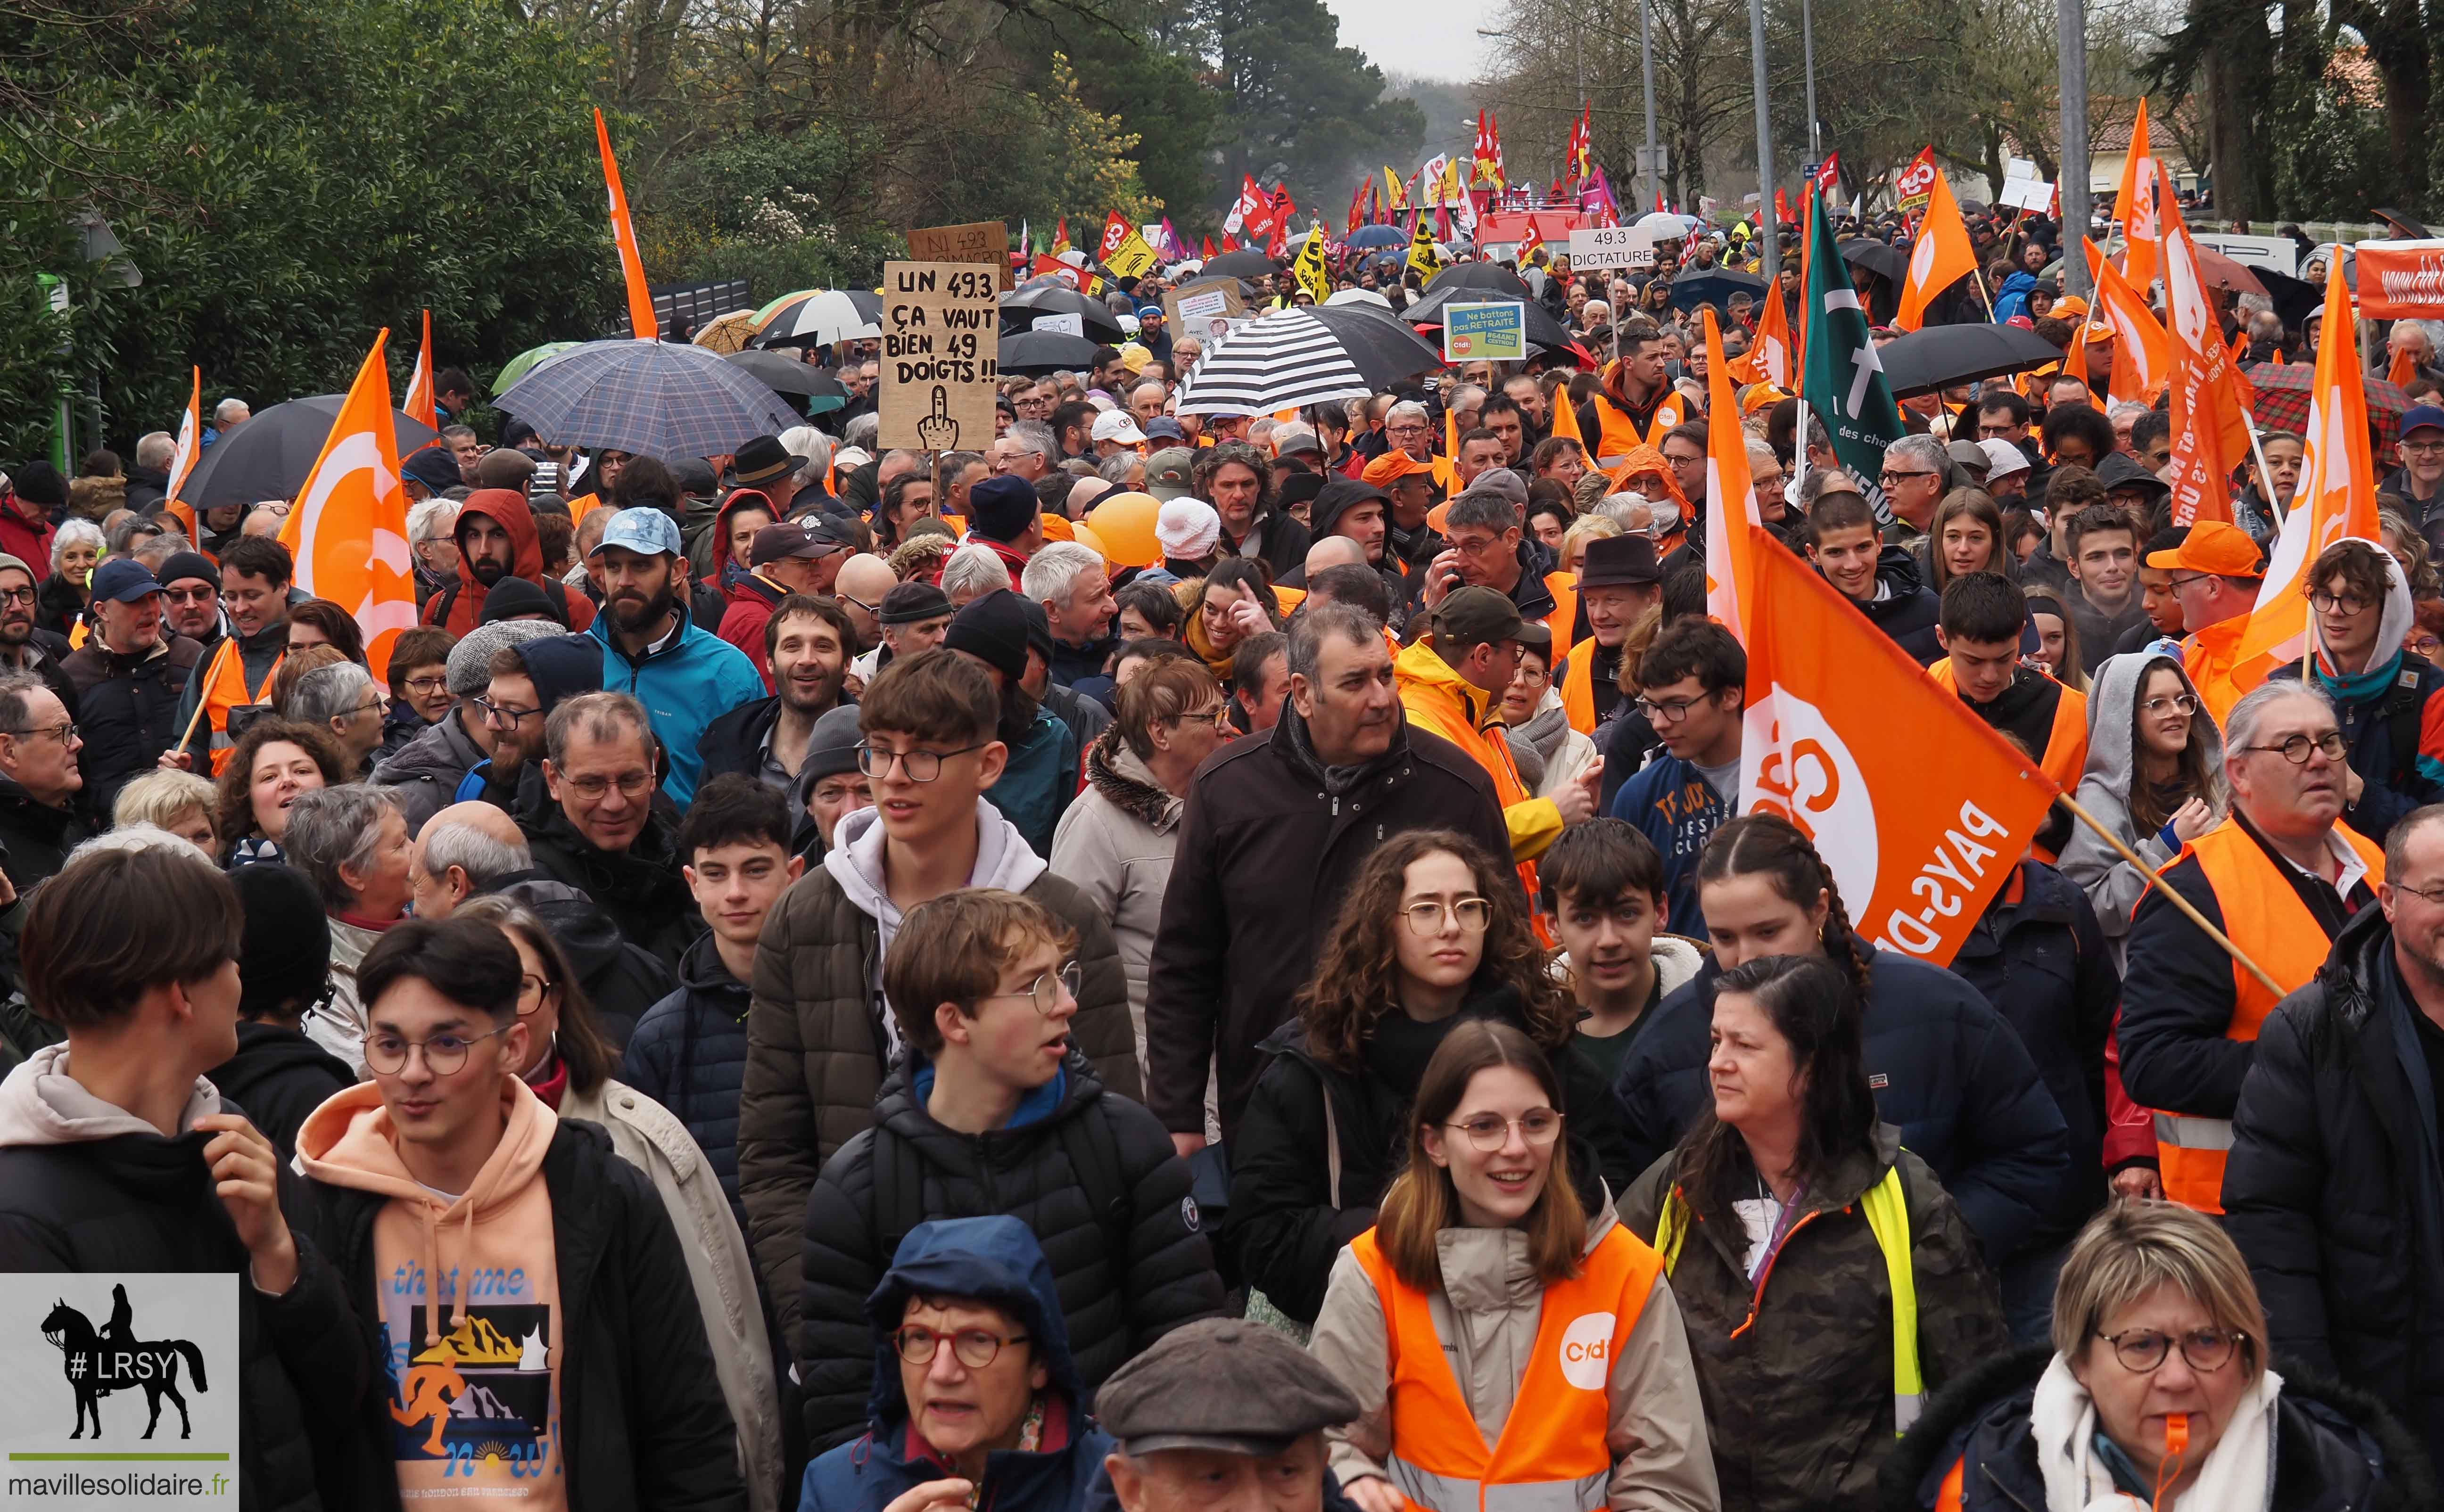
76 549
2155 1391
351 843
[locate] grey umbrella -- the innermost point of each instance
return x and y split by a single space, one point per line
269 456
655 399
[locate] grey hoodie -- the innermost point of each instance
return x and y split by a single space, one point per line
41 1104
2113 885
1004 859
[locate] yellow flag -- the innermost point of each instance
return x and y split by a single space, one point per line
1309 269
1423 257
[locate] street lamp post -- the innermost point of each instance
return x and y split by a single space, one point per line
1770 256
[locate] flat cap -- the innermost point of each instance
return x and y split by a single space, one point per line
1223 1383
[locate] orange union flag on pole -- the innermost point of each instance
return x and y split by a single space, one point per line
1919 807
348 529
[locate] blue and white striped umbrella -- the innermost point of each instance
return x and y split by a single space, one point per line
653 399
1286 361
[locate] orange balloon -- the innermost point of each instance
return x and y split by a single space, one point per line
1084 535
1124 522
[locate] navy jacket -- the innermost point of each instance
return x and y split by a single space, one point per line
1673 805
2392 788
1946 1068
997 1261
689 1053
2042 961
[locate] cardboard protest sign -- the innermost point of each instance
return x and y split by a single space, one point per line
1611 247
1485 333
1072 324
984 241
1202 310
941 347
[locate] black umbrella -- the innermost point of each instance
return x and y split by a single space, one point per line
1383 348
1883 260
2292 298
269 456
1543 330
1491 278
1245 263
1042 352
783 375
1941 356
1020 309
1714 286
2400 222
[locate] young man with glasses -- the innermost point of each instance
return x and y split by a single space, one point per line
996 1109
128 676
822 1029
554 1360
602 830
1692 684
2385 698
2281 876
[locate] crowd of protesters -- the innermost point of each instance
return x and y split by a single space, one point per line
800 983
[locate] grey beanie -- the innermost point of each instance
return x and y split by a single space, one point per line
831 747
471 660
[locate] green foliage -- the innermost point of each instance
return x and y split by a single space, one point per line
1305 109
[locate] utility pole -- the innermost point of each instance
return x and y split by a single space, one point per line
1646 64
1807 48
2070 22
1770 256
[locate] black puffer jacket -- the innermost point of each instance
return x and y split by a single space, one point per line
1906 610
2336 1447
1125 1277
279 1076
622 979
141 1203
689 1053
424 774
2331 1191
1283 1229
640 887
126 710
38 836
642 1423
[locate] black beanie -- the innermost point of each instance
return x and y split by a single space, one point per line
180 564
994 629
1001 509
513 596
38 482
284 948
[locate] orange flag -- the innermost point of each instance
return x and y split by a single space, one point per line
1942 257
348 530
2337 497
2137 206
419 403
642 322
1565 417
1921 809
1771 354
2404 367
182 460
2210 401
2142 356
1730 497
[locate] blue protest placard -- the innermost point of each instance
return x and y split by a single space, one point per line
1485 333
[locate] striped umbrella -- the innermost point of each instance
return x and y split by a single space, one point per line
655 399
1286 361
824 318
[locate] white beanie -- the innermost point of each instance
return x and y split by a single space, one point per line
1188 530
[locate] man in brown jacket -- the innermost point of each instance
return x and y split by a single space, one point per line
819 1037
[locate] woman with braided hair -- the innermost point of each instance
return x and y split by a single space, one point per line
1944 1066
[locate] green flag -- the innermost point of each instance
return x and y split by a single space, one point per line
1844 382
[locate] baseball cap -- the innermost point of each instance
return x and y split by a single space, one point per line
1166 472
810 539
123 579
1472 615
2003 458
642 530
1118 425
1163 428
1392 467
2217 547
2422 417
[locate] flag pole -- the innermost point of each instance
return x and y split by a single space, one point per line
2188 910
202 703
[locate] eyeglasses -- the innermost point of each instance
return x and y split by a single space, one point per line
918 765
975 1347
2423 449
1219 715
2144 1349
178 596
444 1054
2326 604
593 788
2179 703
2295 750
2433 895
426 686
16 595
501 713
2176 584
1891 477
374 707
1670 712
1046 990
64 731
1474 915
532 987
1539 1127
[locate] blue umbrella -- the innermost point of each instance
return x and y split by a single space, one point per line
1365 236
654 398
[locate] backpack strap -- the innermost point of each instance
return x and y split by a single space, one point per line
437 612
899 1191
1094 1156
2401 708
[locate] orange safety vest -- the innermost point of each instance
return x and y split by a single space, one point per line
226 690
2065 757
2210 660
1616 432
1445 704
1551 1455
1564 587
1288 599
1578 684
2264 917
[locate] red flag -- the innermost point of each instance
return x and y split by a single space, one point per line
1249 202
1209 247
1782 208
1060 237
1921 809
348 530
1442 224
1828 173
1357 207
419 402
1916 181
642 322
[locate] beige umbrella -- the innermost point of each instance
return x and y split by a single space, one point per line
727 333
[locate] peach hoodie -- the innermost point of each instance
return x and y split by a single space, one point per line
474 1371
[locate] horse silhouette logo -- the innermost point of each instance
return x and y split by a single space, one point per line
113 1359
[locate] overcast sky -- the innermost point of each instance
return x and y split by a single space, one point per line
1432 39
